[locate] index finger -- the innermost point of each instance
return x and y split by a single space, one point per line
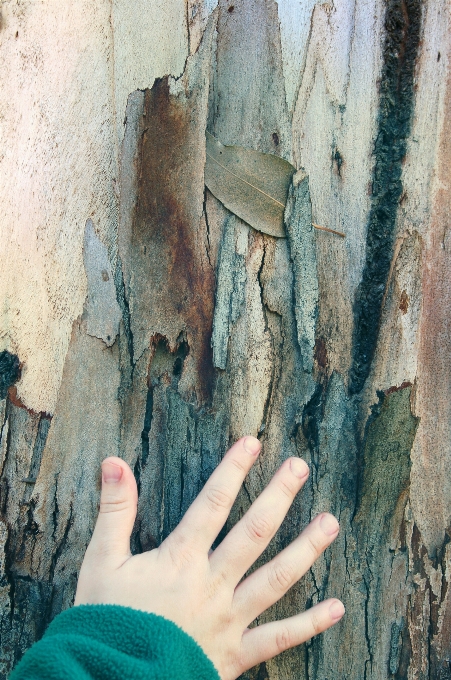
207 515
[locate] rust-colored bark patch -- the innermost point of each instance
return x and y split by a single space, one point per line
172 283
396 388
431 486
404 302
434 366
14 398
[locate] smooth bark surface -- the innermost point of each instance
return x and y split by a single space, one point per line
151 323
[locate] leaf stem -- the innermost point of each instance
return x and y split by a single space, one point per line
332 231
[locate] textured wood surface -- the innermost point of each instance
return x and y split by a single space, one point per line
151 323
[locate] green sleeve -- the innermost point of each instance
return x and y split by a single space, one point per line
109 642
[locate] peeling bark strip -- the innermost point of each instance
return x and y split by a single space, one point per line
24 599
102 310
301 239
403 27
428 647
169 280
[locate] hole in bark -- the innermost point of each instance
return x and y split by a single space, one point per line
167 366
178 365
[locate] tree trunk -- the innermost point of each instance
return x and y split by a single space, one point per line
151 323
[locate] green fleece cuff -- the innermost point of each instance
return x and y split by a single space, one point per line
116 643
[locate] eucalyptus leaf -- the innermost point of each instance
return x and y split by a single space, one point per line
251 184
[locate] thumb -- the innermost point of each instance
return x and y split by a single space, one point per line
118 503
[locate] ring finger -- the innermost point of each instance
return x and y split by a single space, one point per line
269 583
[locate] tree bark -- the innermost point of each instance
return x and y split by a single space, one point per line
151 323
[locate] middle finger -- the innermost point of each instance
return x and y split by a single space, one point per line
251 535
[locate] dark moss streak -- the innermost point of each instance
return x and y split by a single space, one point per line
9 371
402 26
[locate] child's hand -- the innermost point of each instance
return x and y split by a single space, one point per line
201 591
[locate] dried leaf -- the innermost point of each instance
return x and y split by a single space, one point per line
251 184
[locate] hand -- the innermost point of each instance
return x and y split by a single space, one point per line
199 590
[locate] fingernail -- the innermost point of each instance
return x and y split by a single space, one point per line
336 610
329 524
252 445
111 472
299 467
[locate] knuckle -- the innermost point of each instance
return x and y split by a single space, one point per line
316 623
313 547
238 465
220 578
259 528
217 498
180 553
281 577
114 505
284 639
98 551
287 488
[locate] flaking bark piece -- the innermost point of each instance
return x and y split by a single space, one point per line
302 244
102 309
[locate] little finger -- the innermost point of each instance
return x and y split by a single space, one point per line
264 642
